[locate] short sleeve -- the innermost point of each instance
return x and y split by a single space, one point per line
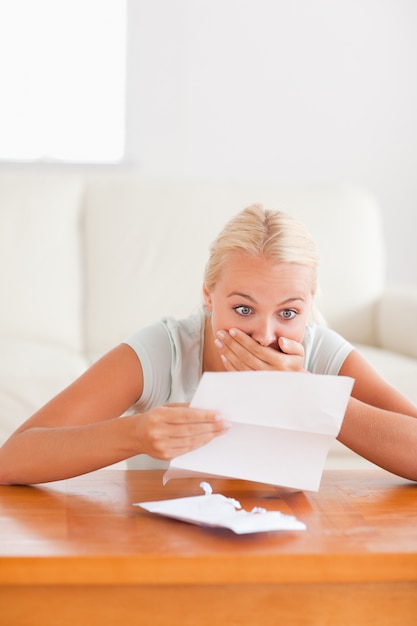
153 348
325 350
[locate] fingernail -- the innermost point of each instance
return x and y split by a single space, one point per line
218 343
232 331
223 358
221 334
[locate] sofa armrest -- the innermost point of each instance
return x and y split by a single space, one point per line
396 320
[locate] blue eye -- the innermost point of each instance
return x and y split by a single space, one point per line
243 310
288 314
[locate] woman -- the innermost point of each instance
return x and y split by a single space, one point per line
259 313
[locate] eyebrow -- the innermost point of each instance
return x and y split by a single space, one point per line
251 299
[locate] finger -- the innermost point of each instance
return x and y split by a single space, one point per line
237 358
190 430
236 348
179 439
183 421
183 413
289 346
178 404
243 352
193 440
178 447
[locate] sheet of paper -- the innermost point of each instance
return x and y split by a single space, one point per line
215 510
282 426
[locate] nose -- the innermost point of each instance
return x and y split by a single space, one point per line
264 333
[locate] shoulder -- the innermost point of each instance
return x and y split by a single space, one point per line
325 350
150 343
167 335
170 352
187 329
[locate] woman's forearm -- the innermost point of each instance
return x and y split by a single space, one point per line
383 437
43 454
46 453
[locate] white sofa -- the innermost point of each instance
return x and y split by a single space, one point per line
87 257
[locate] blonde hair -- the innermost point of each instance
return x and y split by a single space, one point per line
261 232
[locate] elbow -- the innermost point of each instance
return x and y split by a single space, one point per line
410 473
7 474
6 477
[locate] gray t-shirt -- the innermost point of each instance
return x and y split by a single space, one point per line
171 355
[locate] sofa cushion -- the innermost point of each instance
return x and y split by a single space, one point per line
31 373
398 304
40 281
399 370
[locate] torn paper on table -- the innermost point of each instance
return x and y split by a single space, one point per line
215 510
282 426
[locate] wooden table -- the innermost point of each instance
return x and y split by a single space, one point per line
77 552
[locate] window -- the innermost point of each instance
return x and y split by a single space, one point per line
62 80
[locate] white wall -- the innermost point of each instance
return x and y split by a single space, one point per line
295 90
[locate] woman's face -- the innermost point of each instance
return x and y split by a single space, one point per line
264 299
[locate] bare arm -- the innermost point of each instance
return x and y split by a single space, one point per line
79 430
380 423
